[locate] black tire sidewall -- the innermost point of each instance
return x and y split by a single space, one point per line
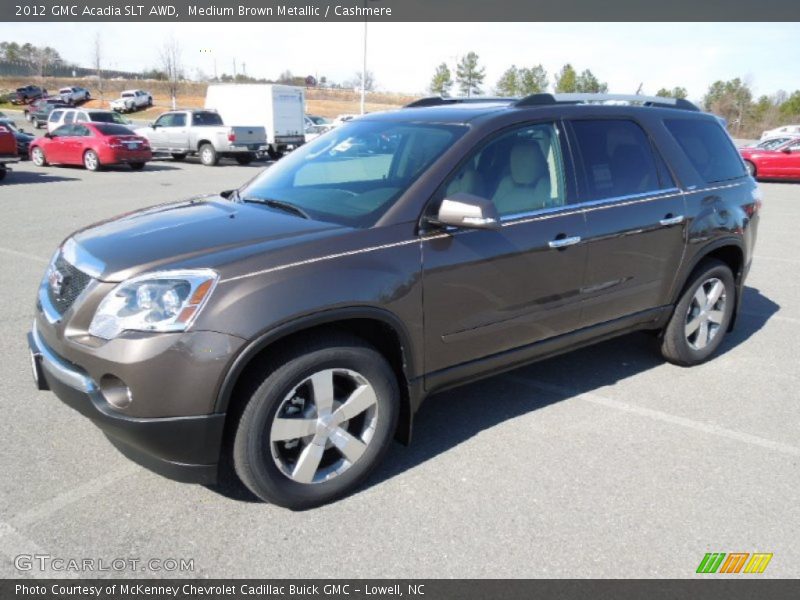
252 438
689 355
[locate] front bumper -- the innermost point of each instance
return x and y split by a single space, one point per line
180 448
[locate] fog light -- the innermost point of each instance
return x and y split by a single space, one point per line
116 393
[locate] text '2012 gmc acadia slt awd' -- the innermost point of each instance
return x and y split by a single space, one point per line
292 327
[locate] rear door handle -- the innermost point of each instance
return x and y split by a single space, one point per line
564 242
667 221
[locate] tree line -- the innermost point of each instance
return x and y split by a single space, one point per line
732 100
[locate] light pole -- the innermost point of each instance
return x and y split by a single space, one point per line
364 64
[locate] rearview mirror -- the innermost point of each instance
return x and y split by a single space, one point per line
468 210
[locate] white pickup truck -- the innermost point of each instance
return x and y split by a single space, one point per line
202 132
130 100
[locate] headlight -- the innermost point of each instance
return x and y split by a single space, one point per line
162 301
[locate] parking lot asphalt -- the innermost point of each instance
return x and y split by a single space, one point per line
606 462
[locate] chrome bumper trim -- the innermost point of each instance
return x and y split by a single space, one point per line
59 368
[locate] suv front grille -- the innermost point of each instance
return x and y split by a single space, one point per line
65 283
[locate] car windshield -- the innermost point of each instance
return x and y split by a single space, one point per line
772 144
107 117
206 119
352 175
109 129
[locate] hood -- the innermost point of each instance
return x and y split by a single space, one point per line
208 232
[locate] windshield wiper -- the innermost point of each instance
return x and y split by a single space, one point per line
279 204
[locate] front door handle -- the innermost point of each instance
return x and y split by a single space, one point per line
669 220
564 242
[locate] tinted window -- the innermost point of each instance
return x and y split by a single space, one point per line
81 130
616 159
111 129
520 171
105 117
63 131
708 148
202 119
69 117
55 115
353 174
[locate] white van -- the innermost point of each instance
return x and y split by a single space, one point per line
280 109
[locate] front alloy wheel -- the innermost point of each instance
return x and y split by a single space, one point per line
37 157
317 424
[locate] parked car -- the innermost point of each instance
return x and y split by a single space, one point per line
779 161
41 114
64 116
8 150
202 132
26 94
303 318
130 100
22 137
772 142
74 95
93 145
35 105
778 131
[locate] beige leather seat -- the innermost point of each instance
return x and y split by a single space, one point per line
527 186
467 181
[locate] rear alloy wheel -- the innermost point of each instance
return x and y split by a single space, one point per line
208 155
91 161
701 316
751 168
37 157
318 424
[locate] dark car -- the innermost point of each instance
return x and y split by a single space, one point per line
40 114
22 137
292 327
28 93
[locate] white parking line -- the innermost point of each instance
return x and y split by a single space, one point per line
49 507
38 259
662 416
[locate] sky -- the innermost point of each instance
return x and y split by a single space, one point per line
403 56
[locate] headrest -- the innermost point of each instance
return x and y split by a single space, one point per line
527 163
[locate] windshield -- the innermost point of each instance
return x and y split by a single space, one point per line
352 175
205 119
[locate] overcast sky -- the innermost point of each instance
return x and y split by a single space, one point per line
404 55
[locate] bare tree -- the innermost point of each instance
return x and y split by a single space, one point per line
171 65
97 62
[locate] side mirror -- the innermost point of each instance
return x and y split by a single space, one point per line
787 150
48 135
468 210
153 125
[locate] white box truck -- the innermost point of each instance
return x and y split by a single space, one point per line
281 109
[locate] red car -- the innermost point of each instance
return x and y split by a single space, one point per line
93 145
778 162
8 149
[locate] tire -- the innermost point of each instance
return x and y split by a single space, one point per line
137 166
178 157
149 102
208 155
27 116
35 122
91 161
699 322
37 157
751 168
245 159
3 172
270 467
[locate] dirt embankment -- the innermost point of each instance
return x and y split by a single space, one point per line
323 102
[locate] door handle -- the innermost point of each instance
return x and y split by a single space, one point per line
668 220
564 242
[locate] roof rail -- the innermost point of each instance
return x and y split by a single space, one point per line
657 101
441 100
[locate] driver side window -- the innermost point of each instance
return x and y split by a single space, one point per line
165 121
520 171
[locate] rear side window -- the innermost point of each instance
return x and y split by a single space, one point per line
617 159
204 119
708 148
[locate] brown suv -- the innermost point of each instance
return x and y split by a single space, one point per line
294 326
